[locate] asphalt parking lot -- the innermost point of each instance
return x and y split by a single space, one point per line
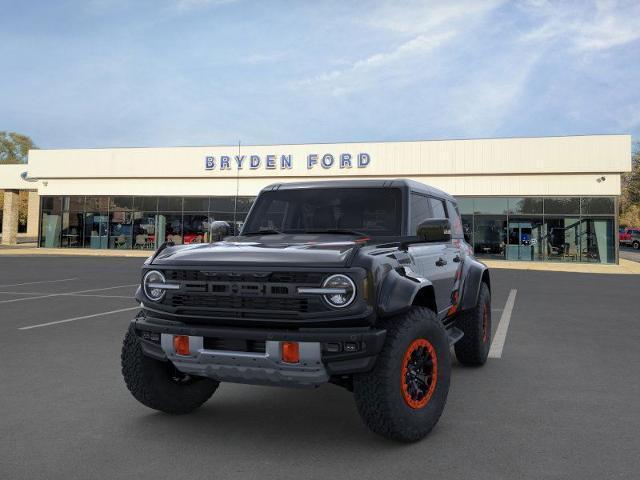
560 402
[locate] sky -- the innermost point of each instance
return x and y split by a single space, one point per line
114 73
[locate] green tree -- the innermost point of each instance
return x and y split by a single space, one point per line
630 198
14 147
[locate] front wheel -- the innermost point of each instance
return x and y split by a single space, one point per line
159 385
473 347
403 397
636 245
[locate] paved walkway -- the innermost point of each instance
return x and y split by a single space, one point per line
626 267
87 252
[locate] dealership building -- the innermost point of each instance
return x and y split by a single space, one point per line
531 199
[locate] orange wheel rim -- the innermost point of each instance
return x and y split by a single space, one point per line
419 373
485 323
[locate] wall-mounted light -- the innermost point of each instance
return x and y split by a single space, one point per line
25 176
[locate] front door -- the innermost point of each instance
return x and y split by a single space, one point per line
437 263
525 240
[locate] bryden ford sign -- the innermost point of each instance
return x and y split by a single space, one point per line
286 162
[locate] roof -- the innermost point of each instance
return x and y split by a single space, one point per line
378 183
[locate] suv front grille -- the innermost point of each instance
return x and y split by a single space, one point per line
244 294
241 277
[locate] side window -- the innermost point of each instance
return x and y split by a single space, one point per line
419 212
456 222
437 208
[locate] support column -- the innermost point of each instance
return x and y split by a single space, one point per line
33 214
10 217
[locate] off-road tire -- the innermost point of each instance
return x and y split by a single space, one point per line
152 382
379 394
473 348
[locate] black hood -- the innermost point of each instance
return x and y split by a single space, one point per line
266 250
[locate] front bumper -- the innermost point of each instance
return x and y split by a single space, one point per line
324 352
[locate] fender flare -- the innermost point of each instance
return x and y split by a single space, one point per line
399 292
474 274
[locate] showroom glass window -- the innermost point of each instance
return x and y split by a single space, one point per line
196 220
72 235
490 227
465 207
598 238
120 222
552 229
51 221
144 216
525 229
96 222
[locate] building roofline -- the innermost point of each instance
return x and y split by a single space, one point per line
346 142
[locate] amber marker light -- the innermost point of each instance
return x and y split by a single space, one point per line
181 344
290 352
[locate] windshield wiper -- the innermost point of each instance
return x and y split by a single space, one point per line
265 231
339 231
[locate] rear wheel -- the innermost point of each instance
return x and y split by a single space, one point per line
159 385
636 245
404 395
473 347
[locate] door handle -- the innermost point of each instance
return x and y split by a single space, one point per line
441 262
456 258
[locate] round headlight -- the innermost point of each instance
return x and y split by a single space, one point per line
344 291
155 294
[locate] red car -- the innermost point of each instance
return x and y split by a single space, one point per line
629 237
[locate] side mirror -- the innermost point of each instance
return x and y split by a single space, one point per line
434 230
219 230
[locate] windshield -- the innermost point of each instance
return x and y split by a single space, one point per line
376 212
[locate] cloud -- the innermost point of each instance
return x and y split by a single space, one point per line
482 103
361 73
419 30
605 25
419 17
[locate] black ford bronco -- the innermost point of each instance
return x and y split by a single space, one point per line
363 284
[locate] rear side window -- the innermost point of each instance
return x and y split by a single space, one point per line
456 223
437 208
420 211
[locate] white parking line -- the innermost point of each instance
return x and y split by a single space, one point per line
66 293
41 281
21 293
501 332
40 294
66 320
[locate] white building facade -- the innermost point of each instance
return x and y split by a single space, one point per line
539 199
